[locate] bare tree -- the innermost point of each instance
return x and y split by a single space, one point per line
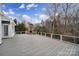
67 11
76 21
51 10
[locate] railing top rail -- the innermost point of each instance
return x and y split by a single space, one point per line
62 35
71 36
55 34
48 33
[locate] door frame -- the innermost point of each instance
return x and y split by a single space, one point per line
3 31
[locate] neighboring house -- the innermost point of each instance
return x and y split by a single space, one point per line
7 27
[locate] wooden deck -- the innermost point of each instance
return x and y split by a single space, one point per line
37 45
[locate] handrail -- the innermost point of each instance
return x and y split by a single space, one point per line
53 34
20 32
24 32
71 36
61 36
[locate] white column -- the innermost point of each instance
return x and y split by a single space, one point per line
0 32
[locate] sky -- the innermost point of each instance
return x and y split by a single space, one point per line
31 12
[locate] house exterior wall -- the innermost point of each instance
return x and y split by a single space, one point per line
0 32
11 26
11 29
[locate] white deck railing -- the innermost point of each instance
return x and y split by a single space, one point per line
24 32
61 37
74 39
20 32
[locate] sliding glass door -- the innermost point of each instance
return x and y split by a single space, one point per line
5 30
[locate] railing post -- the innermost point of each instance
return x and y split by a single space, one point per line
60 37
51 35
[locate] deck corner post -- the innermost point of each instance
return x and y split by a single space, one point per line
60 37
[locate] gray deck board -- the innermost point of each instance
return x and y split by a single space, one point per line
37 45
